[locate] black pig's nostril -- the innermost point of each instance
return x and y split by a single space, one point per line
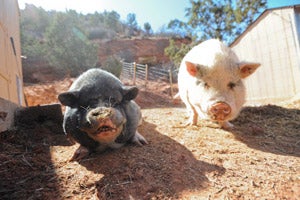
86 124
95 114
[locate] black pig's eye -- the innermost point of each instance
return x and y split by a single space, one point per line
111 102
93 101
231 85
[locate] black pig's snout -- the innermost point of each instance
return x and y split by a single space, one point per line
96 116
100 113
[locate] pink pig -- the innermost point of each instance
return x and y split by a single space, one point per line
210 82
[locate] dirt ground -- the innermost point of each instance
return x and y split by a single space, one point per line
258 159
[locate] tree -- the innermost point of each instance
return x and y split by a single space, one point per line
224 19
132 23
112 20
33 24
35 20
179 28
176 52
69 48
147 28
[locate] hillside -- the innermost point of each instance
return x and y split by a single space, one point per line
143 51
140 50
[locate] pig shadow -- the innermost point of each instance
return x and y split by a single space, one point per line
26 164
269 128
163 168
147 99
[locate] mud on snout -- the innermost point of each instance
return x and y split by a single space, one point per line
103 124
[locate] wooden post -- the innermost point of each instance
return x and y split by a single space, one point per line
171 82
134 73
146 74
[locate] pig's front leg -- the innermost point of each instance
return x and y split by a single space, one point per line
193 116
139 139
80 153
226 125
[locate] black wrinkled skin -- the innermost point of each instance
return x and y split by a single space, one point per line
98 88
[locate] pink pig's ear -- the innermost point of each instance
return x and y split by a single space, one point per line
191 68
247 68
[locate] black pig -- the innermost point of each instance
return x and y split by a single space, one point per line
101 113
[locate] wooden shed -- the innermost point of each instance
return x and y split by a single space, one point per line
273 41
11 79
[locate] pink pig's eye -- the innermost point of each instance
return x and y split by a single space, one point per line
206 86
231 85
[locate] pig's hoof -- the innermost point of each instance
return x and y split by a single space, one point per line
227 125
139 139
80 153
190 123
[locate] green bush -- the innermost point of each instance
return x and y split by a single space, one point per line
113 65
176 52
71 51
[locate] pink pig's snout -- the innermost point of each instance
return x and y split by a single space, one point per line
219 111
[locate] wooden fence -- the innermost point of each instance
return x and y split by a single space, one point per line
140 74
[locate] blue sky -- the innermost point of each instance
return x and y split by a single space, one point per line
156 12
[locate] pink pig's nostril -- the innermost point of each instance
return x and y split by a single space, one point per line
220 110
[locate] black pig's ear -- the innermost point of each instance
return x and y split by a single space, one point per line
70 98
130 93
